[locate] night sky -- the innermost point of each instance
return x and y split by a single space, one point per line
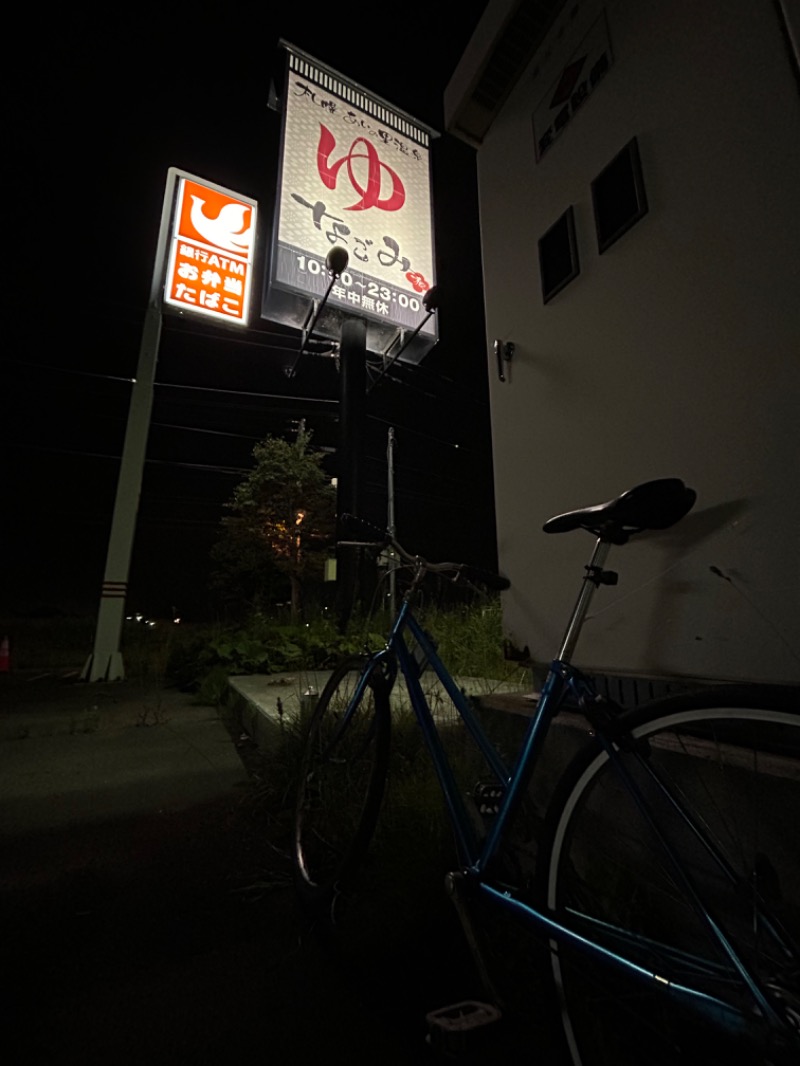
102 115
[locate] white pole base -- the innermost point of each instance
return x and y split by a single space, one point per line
104 668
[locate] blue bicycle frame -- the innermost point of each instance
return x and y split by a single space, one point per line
475 857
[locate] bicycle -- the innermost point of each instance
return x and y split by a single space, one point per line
667 886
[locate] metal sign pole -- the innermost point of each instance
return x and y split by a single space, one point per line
390 521
352 403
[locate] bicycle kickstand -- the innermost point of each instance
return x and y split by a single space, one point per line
456 885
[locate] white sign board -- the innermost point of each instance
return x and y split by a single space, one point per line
356 174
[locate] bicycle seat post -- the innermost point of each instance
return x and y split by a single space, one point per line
595 575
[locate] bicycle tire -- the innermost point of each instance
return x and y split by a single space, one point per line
341 783
733 756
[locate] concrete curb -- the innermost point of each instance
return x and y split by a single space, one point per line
264 703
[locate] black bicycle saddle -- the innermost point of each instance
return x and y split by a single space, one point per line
653 505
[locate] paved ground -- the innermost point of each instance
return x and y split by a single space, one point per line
147 910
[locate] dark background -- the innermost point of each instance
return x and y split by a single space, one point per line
105 110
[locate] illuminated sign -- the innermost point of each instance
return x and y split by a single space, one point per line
354 173
211 252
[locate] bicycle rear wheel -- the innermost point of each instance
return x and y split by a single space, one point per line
342 779
731 759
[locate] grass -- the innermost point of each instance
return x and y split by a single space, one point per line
470 642
469 639
48 644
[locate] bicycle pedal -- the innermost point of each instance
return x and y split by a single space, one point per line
488 797
456 1028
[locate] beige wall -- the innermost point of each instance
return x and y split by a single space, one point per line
675 353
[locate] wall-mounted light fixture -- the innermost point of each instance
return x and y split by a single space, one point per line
503 353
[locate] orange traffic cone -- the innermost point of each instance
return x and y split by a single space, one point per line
5 656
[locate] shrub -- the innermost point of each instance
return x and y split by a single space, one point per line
262 646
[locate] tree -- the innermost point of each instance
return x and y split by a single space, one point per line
283 517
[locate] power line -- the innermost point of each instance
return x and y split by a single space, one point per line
174 385
67 370
373 367
245 392
233 471
210 432
236 471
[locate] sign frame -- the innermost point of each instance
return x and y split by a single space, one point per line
217 269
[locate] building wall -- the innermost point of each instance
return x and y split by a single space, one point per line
675 353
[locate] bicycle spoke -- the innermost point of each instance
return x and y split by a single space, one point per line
723 784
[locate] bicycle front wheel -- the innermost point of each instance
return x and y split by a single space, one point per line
342 779
720 773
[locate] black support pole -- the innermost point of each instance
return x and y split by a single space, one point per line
352 403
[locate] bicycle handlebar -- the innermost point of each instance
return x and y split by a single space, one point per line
495 582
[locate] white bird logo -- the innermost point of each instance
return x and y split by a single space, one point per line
226 230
